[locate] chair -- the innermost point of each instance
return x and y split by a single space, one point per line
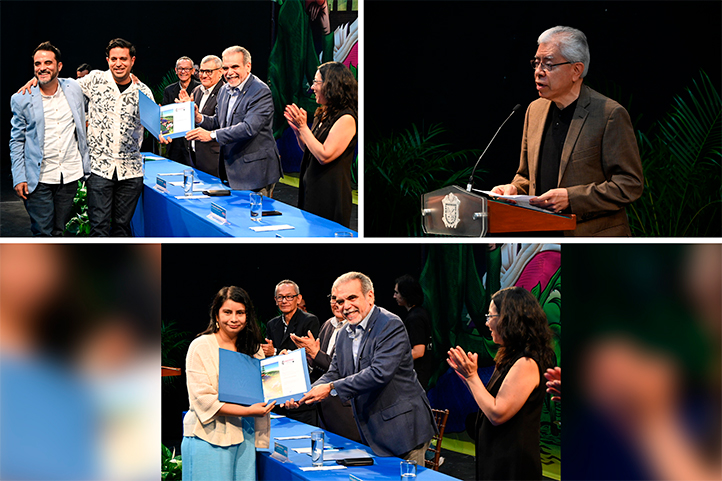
435 447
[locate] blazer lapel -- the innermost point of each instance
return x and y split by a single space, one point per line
37 101
367 335
575 128
534 140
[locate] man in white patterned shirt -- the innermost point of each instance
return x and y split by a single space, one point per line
47 144
114 138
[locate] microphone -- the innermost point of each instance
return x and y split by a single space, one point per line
471 177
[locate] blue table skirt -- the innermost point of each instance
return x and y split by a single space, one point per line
160 214
270 469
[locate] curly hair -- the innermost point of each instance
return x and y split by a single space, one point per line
410 289
523 329
340 89
249 339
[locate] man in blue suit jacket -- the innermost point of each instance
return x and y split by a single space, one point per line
242 125
373 368
48 148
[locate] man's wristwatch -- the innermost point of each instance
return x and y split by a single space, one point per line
213 134
333 390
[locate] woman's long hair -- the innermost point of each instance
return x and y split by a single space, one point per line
340 89
523 329
249 339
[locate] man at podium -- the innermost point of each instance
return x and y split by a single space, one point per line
579 154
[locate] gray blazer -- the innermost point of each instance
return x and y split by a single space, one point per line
248 148
392 412
27 137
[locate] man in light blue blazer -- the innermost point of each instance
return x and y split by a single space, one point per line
243 126
48 147
373 367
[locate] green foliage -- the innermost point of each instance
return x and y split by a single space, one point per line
171 466
79 224
403 167
682 161
169 78
173 344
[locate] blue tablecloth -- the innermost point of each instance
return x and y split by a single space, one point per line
161 214
270 469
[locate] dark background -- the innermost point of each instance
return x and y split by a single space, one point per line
193 274
162 31
465 64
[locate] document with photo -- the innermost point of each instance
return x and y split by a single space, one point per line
172 120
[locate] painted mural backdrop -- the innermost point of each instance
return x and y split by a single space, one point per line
307 34
458 282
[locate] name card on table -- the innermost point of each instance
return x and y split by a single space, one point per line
218 214
280 452
160 184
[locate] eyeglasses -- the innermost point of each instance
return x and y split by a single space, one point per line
285 298
317 81
208 71
185 69
545 66
489 316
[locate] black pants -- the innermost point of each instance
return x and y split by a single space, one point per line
112 199
50 207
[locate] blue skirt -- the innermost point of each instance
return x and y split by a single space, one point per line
203 461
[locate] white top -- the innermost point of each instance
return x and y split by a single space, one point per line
202 380
114 130
61 156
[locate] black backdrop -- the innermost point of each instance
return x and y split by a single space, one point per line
161 31
466 63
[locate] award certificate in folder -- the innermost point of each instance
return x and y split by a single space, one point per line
172 120
246 380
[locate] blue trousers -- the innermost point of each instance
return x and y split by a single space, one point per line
50 207
203 461
112 199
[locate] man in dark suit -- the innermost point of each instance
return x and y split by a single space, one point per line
178 149
242 125
579 153
373 368
278 336
206 155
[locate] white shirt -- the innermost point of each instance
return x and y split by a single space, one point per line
114 130
356 333
337 325
61 157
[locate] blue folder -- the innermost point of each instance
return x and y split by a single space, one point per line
150 116
240 377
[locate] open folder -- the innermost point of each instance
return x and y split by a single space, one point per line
172 120
246 380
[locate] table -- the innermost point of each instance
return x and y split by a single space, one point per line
268 468
161 214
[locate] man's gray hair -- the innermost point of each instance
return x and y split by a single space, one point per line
212 58
366 284
289 282
572 44
237 49
181 59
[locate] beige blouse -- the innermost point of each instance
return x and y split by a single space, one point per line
202 380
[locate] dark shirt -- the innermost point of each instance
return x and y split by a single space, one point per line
418 326
555 133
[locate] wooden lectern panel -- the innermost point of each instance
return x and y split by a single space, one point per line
510 218
169 371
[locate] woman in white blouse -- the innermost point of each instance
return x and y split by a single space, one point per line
218 437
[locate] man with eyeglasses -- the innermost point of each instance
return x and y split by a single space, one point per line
579 154
205 155
278 336
242 125
178 149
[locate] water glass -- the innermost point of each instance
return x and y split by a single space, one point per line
408 470
256 206
317 448
188 178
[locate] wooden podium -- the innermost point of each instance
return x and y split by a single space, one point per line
453 211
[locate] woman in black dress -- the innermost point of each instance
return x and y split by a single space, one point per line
507 444
329 145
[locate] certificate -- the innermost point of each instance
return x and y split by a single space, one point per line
246 380
172 120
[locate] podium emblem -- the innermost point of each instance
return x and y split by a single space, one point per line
451 210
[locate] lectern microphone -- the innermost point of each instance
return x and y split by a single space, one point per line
471 177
